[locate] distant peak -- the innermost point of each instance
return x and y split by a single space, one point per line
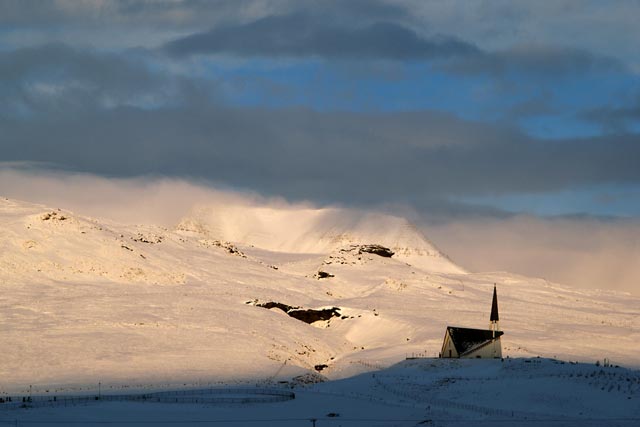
321 231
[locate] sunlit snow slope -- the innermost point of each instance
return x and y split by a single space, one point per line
85 300
305 230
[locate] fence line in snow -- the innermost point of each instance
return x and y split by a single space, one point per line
203 396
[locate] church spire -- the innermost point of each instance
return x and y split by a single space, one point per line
494 318
494 306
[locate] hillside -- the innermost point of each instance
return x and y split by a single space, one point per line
86 300
317 231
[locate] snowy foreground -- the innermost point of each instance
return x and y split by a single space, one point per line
211 303
415 392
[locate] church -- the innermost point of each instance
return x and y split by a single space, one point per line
475 343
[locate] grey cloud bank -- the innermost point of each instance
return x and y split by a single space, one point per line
301 35
302 154
534 59
62 80
108 113
604 28
617 119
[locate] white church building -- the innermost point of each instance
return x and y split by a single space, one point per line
475 343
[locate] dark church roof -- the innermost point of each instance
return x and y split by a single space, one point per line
466 339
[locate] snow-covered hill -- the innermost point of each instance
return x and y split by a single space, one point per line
318 231
86 300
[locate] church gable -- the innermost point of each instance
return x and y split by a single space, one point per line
448 347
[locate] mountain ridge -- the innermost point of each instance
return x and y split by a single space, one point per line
321 231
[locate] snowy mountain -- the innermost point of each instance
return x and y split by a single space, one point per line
253 293
318 231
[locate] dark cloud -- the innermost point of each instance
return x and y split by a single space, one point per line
533 59
56 79
356 30
588 31
328 37
100 113
300 35
180 14
301 154
70 12
615 119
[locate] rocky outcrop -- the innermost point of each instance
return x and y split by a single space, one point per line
376 250
310 315
307 315
271 304
323 275
53 216
228 246
148 238
356 254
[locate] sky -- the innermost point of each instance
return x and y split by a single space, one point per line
509 130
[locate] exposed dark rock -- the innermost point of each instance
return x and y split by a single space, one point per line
376 250
271 304
324 275
141 238
310 315
53 216
229 247
302 314
320 367
232 249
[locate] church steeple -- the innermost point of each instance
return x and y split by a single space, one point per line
494 318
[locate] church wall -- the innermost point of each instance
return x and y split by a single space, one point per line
489 351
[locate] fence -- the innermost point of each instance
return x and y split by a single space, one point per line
201 396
